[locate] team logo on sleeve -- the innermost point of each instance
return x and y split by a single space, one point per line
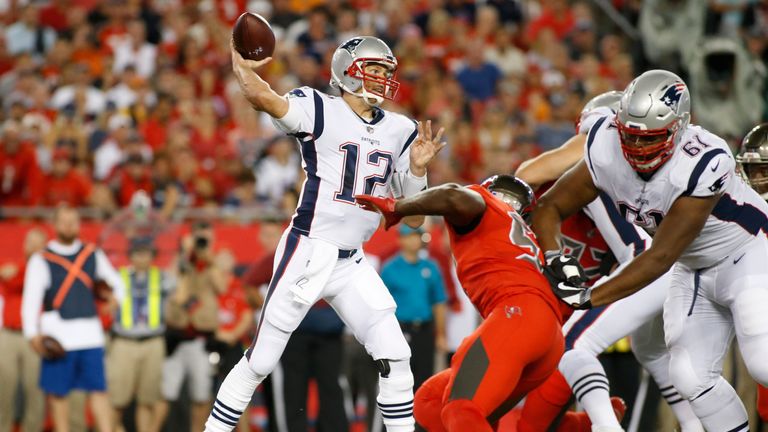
296 93
719 183
671 96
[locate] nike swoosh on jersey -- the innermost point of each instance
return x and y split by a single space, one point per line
735 261
714 168
357 261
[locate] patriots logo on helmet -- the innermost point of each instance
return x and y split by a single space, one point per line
351 44
671 96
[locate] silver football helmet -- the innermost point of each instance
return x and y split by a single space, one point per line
753 159
652 117
609 99
348 69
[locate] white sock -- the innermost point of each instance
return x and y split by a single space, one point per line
681 408
720 408
587 379
659 370
395 398
233 397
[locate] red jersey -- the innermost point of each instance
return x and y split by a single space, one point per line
20 176
499 258
583 241
73 189
11 290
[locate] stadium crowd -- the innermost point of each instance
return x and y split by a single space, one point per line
103 99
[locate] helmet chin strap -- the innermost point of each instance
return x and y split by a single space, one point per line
369 98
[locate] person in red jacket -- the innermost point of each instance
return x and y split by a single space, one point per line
64 185
20 174
19 360
501 267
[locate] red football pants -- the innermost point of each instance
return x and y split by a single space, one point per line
762 402
513 351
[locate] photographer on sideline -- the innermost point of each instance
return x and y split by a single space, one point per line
191 320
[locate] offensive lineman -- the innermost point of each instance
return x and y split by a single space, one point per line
752 161
499 265
361 149
677 182
589 333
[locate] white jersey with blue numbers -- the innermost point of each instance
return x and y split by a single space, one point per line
343 156
701 166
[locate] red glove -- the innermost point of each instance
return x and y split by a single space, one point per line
385 206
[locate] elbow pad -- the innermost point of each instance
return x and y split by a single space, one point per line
405 184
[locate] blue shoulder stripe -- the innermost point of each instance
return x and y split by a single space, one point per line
591 139
699 169
319 116
410 138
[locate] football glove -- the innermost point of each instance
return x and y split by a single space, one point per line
575 296
383 205
563 268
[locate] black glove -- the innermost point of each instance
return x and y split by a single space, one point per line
575 296
567 278
563 268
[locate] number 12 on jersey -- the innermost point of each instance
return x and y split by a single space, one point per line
349 177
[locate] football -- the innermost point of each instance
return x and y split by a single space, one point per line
53 349
253 37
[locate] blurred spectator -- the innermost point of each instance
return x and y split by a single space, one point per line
417 286
509 59
556 131
478 77
278 171
59 301
133 50
670 30
135 358
19 361
112 151
78 91
243 196
28 35
726 16
318 38
64 185
556 16
726 84
155 128
133 175
165 189
191 318
235 319
21 178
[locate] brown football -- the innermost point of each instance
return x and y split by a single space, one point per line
53 349
253 37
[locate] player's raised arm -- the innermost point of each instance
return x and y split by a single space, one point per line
257 91
460 206
550 165
572 192
679 228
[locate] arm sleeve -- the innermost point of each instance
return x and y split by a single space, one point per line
36 281
711 175
106 272
437 285
301 112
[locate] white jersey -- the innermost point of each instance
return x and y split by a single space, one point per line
343 156
701 166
